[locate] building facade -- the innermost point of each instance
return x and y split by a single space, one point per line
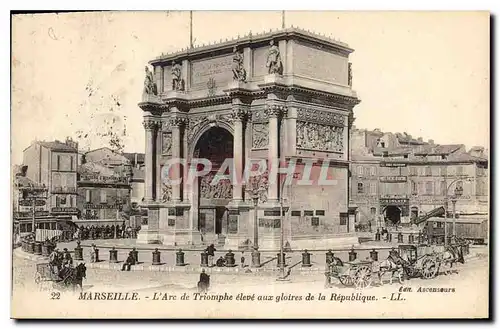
54 165
280 95
103 188
397 178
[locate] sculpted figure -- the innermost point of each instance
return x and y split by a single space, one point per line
177 82
274 65
239 72
149 84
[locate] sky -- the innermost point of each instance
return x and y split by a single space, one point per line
78 75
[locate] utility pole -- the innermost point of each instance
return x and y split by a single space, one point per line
282 19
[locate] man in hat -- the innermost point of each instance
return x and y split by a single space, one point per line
54 261
67 260
129 262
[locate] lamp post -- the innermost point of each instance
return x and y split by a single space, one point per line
458 192
282 230
254 191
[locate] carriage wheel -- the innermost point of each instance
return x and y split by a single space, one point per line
363 277
410 272
429 268
346 280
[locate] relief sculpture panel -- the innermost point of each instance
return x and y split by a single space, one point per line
260 135
222 190
166 143
314 136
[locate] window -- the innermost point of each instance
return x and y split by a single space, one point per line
71 163
103 196
343 218
373 211
405 156
308 213
360 171
58 162
414 171
373 171
319 213
367 171
428 171
315 221
60 200
296 213
414 188
428 188
360 188
373 188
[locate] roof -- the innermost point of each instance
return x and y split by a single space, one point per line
94 168
467 158
131 157
25 182
437 149
58 146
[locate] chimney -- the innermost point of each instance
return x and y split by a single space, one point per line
420 139
136 160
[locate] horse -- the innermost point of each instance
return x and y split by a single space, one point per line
73 276
450 256
392 265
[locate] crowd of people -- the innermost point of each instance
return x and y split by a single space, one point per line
106 232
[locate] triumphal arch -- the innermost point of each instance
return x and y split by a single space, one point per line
279 96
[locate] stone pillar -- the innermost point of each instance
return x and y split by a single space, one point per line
291 128
239 115
273 112
149 126
177 125
157 164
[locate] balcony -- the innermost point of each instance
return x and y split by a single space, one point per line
64 190
29 214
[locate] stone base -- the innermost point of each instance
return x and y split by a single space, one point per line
170 238
181 238
237 242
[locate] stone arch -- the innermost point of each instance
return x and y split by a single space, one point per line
202 128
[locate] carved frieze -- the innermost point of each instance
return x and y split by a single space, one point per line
259 116
222 190
275 110
320 137
178 121
166 143
260 135
150 124
239 113
321 117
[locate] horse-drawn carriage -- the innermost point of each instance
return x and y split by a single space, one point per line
355 273
50 277
417 261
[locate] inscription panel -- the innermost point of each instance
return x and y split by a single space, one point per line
319 64
259 61
218 68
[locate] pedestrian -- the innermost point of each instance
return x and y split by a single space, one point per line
67 260
93 253
211 253
204 282
129 262
242 259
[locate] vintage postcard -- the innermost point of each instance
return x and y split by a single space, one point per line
198 164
